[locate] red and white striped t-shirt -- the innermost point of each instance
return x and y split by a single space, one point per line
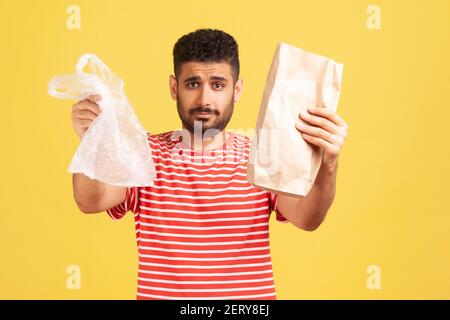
202 230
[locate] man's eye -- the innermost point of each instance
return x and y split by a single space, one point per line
218 85
192 85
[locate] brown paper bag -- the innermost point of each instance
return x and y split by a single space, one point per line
281 160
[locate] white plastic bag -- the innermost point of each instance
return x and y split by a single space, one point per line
114 149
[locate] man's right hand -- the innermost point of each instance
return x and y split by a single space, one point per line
83 113
91 195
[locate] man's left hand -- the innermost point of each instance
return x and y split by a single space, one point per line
324 129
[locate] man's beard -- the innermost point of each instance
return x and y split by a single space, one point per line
220 119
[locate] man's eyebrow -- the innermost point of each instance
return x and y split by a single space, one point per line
193 78
218 78
196 78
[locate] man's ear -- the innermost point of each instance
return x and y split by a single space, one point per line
238 87
173 87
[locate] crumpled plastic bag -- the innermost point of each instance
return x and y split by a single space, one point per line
115 148
281 161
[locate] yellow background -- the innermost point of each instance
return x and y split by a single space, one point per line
391 206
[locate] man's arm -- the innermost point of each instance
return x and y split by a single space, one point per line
309 212
93 196
325 129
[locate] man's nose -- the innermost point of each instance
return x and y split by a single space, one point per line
204 96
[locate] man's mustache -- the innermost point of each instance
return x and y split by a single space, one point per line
203 109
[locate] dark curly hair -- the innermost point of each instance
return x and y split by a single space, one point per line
206 45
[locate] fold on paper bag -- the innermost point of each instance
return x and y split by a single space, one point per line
281 160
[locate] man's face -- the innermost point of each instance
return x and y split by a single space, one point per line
205 92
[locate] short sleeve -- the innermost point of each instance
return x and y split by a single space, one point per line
273 207
131 203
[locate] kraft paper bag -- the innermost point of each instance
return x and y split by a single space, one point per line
281 161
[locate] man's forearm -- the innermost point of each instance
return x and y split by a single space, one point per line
86 190
325 129
310 211
321 195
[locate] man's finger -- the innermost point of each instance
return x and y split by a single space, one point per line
86 105
327 113
319 133
86 114
319 121
94 98
324 145
85 122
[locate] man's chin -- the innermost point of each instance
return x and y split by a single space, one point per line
202 127
204 123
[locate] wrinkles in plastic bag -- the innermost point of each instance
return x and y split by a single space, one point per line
115 148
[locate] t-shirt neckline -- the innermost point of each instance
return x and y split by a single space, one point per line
229 140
